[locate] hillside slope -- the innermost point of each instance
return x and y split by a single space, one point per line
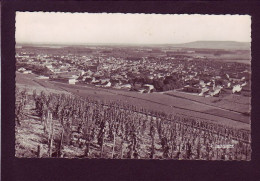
231 45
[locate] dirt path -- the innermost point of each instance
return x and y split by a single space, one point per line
29 135
205 104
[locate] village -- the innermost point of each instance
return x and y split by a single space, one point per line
141 69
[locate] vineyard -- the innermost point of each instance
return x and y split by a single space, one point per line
74 127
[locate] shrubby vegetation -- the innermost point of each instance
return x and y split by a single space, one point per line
36 69
160 84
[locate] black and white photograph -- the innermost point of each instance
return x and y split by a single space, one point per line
133 86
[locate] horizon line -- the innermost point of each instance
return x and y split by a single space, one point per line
67 43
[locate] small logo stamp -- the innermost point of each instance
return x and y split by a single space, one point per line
223 146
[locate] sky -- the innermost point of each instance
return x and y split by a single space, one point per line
117 28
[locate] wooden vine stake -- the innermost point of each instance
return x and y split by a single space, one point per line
60 144
51 135
39 151
172 143
114 144
122 149
102 147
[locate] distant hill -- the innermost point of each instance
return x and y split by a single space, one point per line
231 45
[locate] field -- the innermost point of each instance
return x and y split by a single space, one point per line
69 126
55 119
154 101
236 103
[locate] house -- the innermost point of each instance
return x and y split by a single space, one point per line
49 66
104 81
69 77
202 83
43 77
108 84
236 89
137 86
75 74
82 72
24 71
204 91
95 81
72 81
89 73
192 89
150 77
21 70
93 68
148 87
27 72
126 86
216 92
